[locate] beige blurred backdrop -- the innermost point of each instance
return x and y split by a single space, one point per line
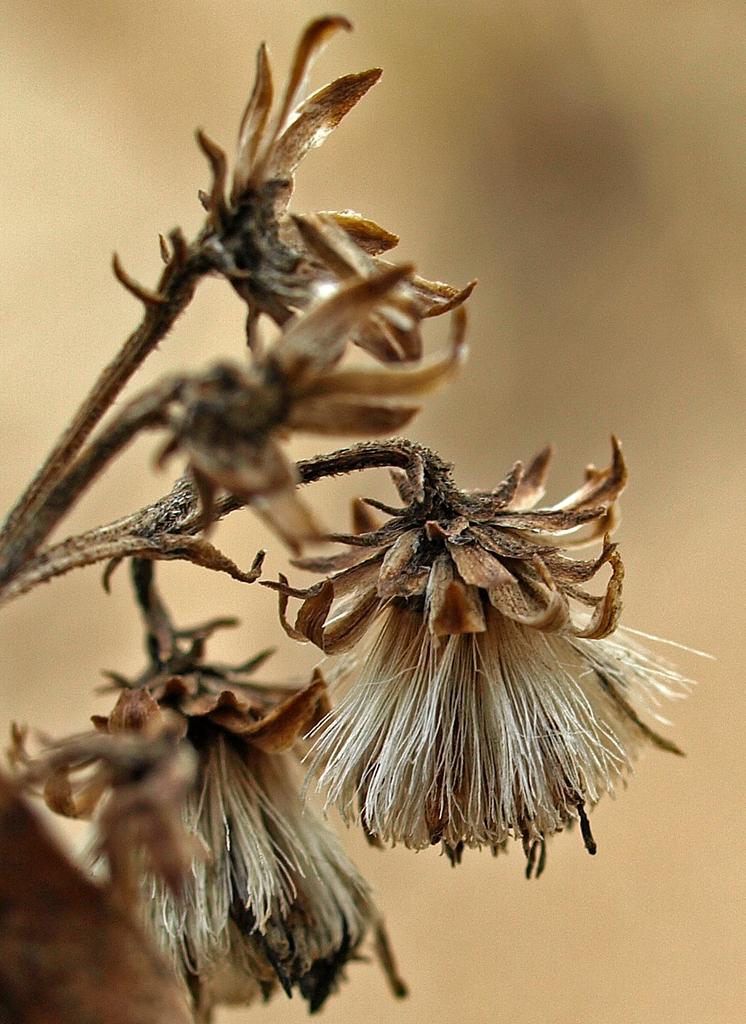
585 160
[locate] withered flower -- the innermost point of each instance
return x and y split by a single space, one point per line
270 895
230 420
260 248
488 705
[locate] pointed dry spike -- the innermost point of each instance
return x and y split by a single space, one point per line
602 486
365 233
179 245
219 166
164 249
147 297
309 49
532 485
318 339
363 521
204 198
383 506
316 118
506 490
452 298
253 123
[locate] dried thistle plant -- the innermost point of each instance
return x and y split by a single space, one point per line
497 698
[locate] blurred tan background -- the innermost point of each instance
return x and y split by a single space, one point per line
585 160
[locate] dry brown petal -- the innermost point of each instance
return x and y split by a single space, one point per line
395 382
253 123
605 618
532 484
334 416
325 564
316 118
291 719
453 607
536 606
365 233
287 514
317 340
446 531
136 711
309 48
569 571
602 486
346 630
313 612
357 576
440 297
374 337
397 561
244 469
509 543
548 520
478 566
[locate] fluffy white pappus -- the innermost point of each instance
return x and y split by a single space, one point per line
472 739
274 896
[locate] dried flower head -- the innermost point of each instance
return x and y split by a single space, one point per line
487 706
269 895
262 250
230 420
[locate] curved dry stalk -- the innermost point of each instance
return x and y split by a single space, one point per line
144 412
185 266
165 529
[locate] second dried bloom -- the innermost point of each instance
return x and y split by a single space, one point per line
231 420
487 705
270 895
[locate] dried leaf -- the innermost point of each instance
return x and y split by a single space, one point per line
68 954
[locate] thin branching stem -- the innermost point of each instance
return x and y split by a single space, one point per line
144 412
162 528
162 308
